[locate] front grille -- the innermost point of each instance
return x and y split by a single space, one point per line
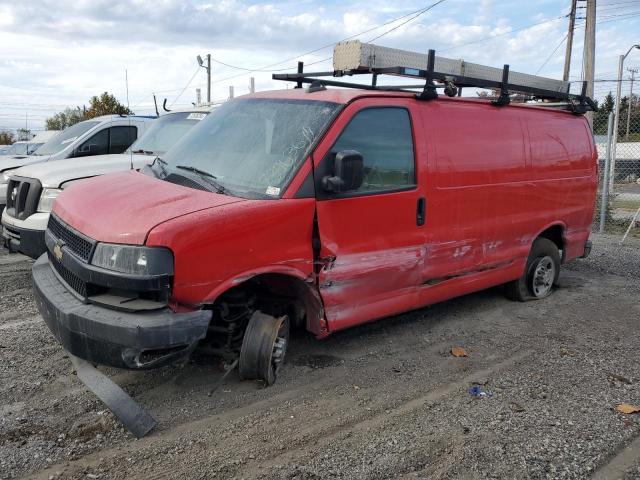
23 195
69 277
76 243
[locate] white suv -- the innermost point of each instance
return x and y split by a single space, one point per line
32 189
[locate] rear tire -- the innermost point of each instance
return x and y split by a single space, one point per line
264 347
540 274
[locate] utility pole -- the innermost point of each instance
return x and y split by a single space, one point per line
567 54
209 76
208 69
252 85
630 102
590 51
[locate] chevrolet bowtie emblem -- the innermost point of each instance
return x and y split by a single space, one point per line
57 252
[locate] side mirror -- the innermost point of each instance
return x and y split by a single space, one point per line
348 171
85 150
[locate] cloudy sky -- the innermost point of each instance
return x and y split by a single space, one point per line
58 53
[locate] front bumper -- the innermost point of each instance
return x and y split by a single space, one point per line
104 336
29 242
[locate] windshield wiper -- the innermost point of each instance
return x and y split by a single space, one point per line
146 152
209 176
162 164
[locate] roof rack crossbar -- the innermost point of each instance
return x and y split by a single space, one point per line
429 92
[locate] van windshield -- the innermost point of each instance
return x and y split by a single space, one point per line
165 132
64 138
252 147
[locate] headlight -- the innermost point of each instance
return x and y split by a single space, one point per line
133 260
47 197
4 176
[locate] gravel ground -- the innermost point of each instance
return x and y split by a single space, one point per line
385 400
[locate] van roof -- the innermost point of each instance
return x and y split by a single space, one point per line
346 95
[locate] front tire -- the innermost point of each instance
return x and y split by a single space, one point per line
264 347
540 274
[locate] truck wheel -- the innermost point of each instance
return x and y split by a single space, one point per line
540 274
263 347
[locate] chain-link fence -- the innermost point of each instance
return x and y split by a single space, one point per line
618 204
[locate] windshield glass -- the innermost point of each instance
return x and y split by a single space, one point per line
64 138
166 131
252 146
17 149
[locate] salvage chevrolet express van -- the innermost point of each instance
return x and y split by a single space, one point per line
26 216
324 208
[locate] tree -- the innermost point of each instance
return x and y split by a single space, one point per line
65 119
24 134
106 104
608 104
6 137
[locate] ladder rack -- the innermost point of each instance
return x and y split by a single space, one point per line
354 58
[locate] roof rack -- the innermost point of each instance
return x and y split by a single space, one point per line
356 58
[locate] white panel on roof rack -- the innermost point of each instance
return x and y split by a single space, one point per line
355 55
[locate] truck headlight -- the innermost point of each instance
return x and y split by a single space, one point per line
47 197
133 260
4 176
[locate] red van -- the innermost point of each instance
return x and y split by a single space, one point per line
322 208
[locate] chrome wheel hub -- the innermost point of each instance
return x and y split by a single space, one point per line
543 276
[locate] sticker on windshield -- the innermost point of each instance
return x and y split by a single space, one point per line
196 116
273 191
68 140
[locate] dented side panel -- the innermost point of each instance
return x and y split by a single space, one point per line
372 250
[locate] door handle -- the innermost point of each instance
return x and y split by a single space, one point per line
421 211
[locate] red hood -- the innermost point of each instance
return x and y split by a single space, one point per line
124 207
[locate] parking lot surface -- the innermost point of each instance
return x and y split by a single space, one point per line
384 400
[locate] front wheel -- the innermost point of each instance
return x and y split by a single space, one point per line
264 347
540 274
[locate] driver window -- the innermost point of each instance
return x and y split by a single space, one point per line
383 137
96 145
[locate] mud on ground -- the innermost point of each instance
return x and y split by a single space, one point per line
385 400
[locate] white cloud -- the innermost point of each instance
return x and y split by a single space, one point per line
61 52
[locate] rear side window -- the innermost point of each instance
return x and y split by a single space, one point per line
383 137
98 144
122 138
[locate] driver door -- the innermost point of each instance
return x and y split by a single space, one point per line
373 238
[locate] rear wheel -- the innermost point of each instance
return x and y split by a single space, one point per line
540 274
264 347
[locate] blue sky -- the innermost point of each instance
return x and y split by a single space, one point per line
59 53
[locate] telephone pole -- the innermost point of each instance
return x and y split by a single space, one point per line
590 51
567 54
630 102
208 69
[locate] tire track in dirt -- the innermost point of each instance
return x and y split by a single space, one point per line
264 415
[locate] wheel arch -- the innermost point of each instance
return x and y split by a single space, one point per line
555 232
284 281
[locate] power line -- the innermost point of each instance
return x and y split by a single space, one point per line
186 86
329 45
551 55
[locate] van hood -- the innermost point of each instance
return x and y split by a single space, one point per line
124 207
55 174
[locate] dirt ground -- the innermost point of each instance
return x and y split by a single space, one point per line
385 400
